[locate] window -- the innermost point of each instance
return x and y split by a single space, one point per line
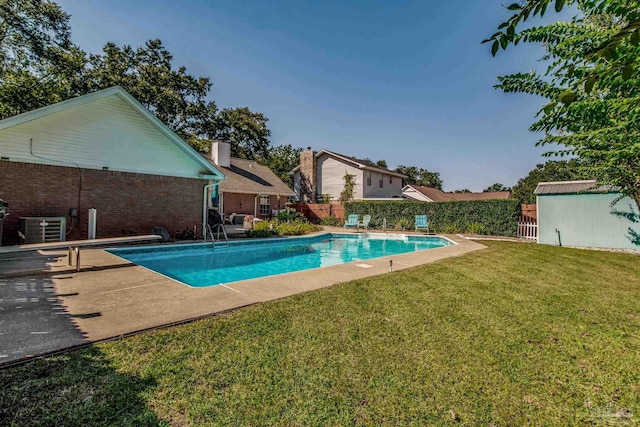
265 205
369 179
390 179
381 182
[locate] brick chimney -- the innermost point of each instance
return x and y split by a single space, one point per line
221 153
308 176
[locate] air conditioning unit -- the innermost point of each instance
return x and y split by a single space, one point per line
43 229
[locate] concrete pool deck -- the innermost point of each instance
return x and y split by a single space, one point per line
111 297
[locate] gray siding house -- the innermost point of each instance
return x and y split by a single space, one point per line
583 214
322 174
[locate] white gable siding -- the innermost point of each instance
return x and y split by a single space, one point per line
414 194
107 132
330 177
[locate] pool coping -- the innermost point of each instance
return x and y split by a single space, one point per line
110 299
261 241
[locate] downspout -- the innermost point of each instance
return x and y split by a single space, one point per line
205 206
255 206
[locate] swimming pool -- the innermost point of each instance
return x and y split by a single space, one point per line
202 264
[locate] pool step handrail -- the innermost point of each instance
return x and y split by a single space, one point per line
218 227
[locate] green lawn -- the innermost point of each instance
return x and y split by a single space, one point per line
516 334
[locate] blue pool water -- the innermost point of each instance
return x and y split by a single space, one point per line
201 264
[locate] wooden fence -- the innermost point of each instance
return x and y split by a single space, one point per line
315 212
529 210
527 227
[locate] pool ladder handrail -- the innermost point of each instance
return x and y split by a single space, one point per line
218 227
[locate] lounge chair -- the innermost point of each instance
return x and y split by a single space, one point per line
422 223
365 222
352 221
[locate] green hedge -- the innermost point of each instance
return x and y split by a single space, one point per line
494 217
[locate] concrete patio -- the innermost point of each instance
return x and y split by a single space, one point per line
60 308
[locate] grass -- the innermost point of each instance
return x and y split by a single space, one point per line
516 334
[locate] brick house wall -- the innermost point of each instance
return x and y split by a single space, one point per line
127 203
245 204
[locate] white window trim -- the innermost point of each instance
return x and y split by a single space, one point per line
267 210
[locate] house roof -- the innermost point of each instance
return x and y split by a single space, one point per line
432 194
250 177
209 170
359 163
572 187
436 195
488 195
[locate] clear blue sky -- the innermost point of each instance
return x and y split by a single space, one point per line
404 81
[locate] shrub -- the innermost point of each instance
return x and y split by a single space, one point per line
263 225
295 228
290 215
274 227
402 224
259 233
331 221
450 229
498 217
475 228
261 229
187 234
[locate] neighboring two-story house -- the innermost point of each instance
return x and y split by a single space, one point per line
321 174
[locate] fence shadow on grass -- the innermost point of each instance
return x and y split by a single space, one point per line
78 388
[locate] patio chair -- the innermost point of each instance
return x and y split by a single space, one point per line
422 223
365 222
352 221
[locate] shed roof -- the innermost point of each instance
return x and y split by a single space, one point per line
250 177
572 187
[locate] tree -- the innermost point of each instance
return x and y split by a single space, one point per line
246 131
464 190
177 98
552 170
382 164
349 185
495 187
379 163
38 63
592 84
40 66
420 176
281 160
